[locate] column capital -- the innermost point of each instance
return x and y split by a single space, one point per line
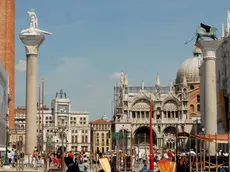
209 48
32 43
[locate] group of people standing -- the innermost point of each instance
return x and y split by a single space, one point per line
12 156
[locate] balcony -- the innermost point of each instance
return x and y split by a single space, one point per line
156 121
123 120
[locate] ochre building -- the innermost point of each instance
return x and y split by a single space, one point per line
7 45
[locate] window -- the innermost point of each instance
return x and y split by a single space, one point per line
198 108
97 142
198 99
86 139
191 87
72 139
82 139
192 108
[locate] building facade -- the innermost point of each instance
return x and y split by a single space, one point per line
223 81
61 126
7 49
3 106
175 108
101 135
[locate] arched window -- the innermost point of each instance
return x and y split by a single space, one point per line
198 99
159 129
170 144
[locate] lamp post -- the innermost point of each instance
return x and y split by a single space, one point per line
151 156
6 162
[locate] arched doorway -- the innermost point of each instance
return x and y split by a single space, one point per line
141 139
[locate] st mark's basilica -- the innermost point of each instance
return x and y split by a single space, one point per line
176 108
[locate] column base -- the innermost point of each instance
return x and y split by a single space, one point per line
211 149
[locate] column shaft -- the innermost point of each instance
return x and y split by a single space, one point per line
31 103
210 96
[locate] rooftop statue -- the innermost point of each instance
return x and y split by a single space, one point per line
205 31
33 29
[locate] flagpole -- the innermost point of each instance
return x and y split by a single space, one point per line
151 137
43 95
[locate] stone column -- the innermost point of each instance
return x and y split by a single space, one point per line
209 48
31 43
202 103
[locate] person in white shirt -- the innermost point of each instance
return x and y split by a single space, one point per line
9 156
13 158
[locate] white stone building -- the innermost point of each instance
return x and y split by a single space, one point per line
223 80
174 108
75 125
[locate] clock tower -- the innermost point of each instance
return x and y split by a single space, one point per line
61 107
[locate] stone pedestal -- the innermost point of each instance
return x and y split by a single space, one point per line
208 82
31 43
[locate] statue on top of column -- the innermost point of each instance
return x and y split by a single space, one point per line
33 19
33 29
206 32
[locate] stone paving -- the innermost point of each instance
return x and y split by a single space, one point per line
9 168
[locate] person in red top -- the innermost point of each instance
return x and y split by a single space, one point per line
70 154
170 155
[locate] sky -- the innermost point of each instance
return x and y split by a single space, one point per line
94 40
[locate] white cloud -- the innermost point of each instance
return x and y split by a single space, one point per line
21 66
115 75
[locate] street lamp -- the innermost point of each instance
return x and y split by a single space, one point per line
62 136
6 162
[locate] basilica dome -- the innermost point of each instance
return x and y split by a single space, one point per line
190 68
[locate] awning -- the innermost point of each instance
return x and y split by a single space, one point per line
217 138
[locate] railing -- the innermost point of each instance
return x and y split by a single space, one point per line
146 121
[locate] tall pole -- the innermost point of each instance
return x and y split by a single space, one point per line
111 137
138 151
151 137
62 147
43 91
39 117
146 158
131 146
